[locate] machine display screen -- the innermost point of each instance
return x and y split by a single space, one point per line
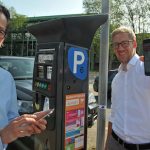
43 58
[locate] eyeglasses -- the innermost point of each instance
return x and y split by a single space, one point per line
124 44
2 34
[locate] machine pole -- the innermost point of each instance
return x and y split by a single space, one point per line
103 78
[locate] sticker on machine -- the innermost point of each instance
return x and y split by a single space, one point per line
78 62
74 121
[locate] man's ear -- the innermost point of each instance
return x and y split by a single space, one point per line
134 44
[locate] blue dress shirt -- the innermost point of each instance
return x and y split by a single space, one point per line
8 100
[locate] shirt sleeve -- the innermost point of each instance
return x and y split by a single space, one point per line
2 146
13 109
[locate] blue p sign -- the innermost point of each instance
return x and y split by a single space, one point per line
78 62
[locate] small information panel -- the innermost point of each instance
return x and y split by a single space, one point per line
45 58
74 121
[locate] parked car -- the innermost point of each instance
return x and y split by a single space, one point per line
21 69
111 75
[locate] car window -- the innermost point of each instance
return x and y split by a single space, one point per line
5 65
19 68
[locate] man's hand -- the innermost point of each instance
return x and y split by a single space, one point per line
25 125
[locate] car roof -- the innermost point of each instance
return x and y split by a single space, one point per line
15 57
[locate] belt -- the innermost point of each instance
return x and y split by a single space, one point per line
130 146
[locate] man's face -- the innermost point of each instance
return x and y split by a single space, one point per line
124 47
3 26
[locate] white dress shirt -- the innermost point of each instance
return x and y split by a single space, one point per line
8 100
130 115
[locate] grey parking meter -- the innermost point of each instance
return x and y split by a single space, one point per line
61 79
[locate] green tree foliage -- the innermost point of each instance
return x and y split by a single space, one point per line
18 22
92 6
136 14
16 32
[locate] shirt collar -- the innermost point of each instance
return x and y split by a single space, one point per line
131 63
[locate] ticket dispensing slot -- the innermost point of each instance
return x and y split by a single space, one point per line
43 103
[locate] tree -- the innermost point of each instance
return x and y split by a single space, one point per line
136 15
18 22
92 6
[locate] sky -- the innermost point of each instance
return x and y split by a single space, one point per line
33 8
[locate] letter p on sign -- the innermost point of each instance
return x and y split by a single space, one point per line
78 60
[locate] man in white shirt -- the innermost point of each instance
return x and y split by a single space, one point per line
12 125
129 125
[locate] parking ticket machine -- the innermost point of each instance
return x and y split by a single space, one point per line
61 79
